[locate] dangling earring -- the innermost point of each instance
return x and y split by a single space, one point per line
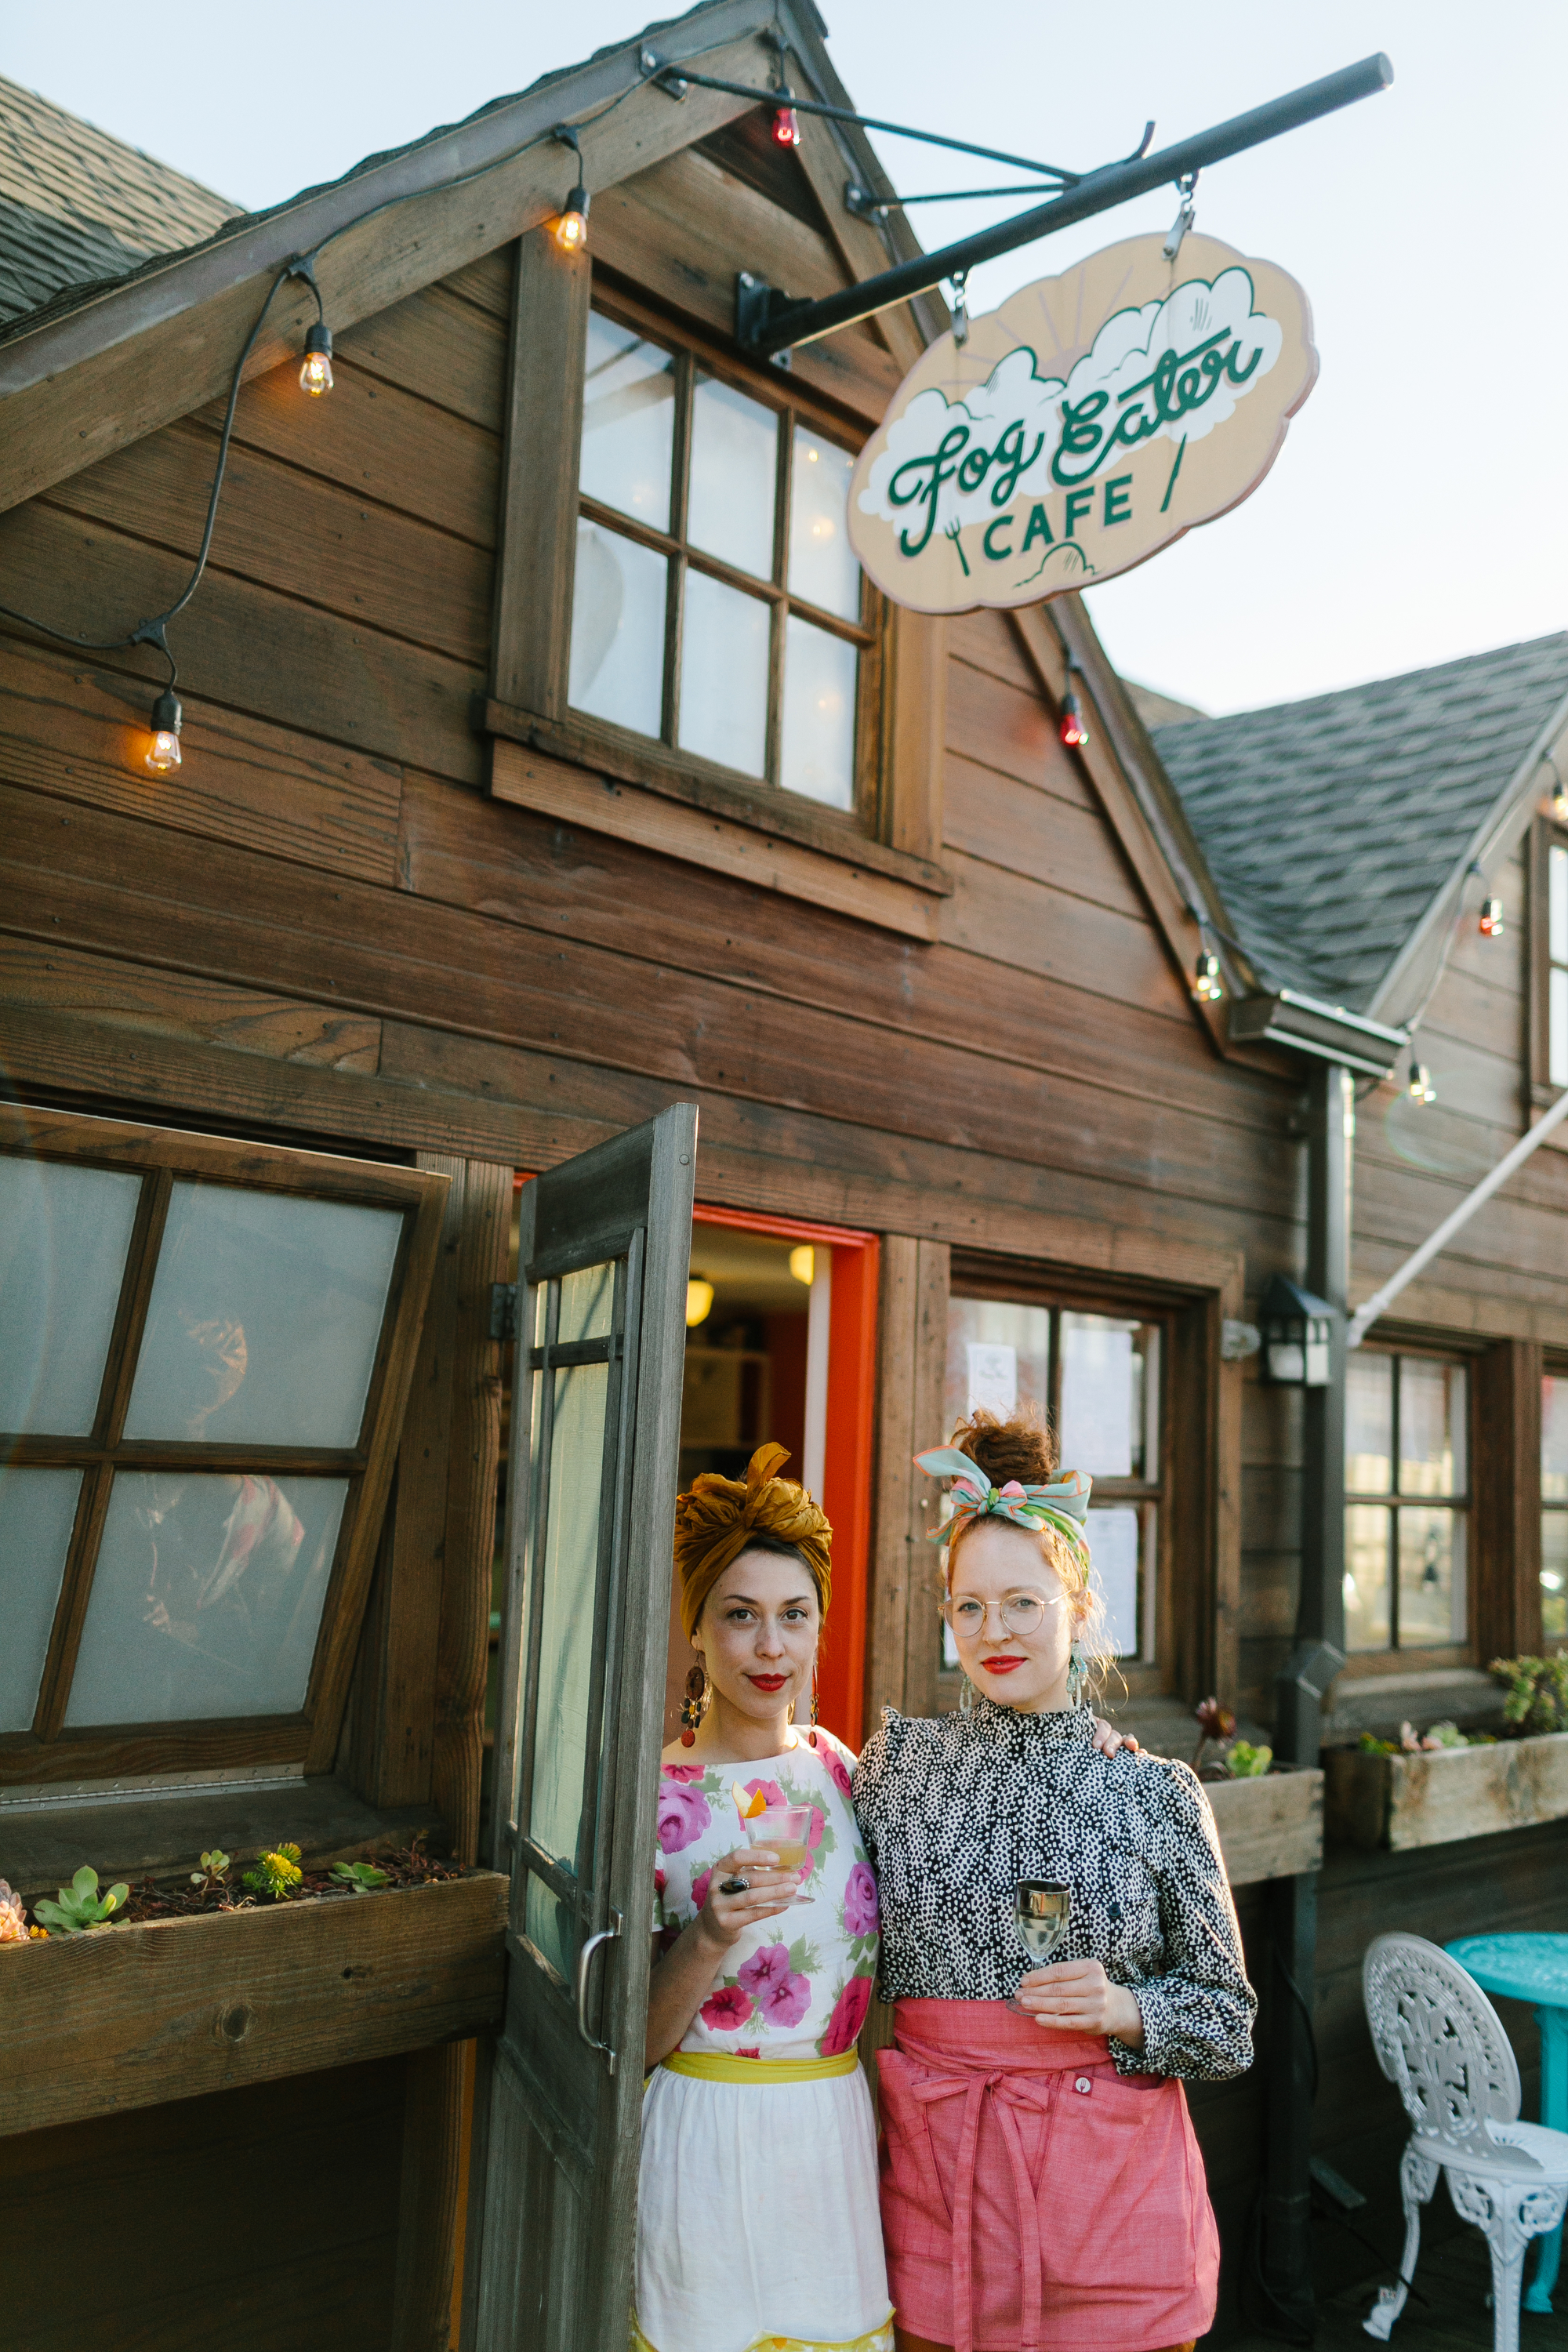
812 1733
1078 1675
691 1705
966 1696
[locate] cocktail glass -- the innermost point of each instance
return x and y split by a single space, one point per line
784 1830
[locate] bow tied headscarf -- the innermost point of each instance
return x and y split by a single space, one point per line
718 1518
1062 1503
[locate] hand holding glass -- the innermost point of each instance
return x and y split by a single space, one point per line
785 1831
1041 1908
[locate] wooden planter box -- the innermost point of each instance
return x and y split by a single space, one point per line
136 2015
1432 1798
1271 1827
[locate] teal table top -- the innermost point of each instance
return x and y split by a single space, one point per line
1523 1968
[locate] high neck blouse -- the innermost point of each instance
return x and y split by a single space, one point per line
955 1809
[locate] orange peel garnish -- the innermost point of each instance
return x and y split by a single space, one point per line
759 1804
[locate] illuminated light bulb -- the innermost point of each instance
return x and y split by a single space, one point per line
699 1300
1074 727
786 127
1208 988
803 1263
316 370
1491 919
1560 803
1420 1087
572 229
164 752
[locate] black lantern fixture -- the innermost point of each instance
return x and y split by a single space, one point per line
1297 1324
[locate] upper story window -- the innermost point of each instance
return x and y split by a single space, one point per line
1408 1502
1557 962
207 1346
1098 1379
717 606
1554 1508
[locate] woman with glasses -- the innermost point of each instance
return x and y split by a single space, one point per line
1041 2185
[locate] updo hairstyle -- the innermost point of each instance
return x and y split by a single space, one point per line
1025 1447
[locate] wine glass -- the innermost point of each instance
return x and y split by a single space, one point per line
1042 1908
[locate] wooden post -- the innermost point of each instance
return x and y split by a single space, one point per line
1507 1485
537 537
902 1650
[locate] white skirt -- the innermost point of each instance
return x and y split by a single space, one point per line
757 2217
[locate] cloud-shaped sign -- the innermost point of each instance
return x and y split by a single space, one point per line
967 480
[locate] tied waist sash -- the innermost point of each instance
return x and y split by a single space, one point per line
719 2067
1001 2065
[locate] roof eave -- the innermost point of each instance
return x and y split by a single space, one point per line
1325 1033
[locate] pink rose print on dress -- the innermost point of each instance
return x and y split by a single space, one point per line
683 1815
819 1821
764 1969
787 2003
860 1902
726 2010
659 1882
848 2016
835 1772
682 1772
700 1888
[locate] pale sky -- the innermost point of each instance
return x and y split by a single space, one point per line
1417 510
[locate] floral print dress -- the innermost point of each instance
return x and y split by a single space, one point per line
758 2228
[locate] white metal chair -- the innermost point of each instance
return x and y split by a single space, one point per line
1440 2041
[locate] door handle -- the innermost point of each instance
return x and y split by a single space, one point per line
584 1961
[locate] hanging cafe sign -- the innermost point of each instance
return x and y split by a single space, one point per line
1083 426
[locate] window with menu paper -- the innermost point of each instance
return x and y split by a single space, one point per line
207 1350
716 608
1096 1376
1406 1502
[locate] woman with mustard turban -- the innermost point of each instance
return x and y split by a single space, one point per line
757 2219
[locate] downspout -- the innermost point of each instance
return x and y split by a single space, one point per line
1299 1688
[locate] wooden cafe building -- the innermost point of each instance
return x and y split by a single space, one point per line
599 986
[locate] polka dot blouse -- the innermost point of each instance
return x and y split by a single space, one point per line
955 1809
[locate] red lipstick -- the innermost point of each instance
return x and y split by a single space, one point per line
1001 1666
768 1681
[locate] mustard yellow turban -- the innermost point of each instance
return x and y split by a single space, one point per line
720 1516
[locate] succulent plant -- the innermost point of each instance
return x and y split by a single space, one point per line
1538 1693
80 1908
276 1873
363 1876
1246 1762
13 1916
214 1872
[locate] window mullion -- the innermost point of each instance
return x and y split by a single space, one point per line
675 587
778 620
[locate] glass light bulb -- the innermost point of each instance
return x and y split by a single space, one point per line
786 127
1492 919
571 232
1208 988
1073 730
164 752
316 374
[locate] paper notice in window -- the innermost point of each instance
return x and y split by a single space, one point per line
1097 1399
1113 1546
993 1377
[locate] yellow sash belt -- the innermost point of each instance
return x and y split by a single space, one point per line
718 2067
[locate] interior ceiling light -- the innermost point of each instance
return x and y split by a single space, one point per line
164 751
1491 924
803 1263
699 1300
1208 988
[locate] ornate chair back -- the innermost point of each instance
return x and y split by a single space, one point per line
1441 2043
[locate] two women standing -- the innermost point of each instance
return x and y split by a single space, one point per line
1041 2182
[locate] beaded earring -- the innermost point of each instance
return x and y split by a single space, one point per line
966 1696
1078 1675
691 1705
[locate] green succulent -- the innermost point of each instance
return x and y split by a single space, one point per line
1246 1762
1537 1692
363 1876
214 1872
80 1908
276 1873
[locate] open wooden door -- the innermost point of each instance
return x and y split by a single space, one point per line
601 1330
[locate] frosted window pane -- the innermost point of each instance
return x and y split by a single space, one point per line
64 1233
1369 1424
38 1508
617 631
206 1598
820 675
1554 1439
570 1553
1431 1428
724 675
821 567
264 1321
1113 1543
1367 1622
1431 1578
1557 903
1557 1026
735 472
628 423
587 1304
1102 1384
999 1355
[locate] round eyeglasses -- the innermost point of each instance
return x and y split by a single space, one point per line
1021 1612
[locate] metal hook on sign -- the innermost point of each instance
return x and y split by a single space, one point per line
1183 219
960 308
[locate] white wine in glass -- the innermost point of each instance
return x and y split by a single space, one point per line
1042 1909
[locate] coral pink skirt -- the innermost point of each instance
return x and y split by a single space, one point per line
1032 2197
